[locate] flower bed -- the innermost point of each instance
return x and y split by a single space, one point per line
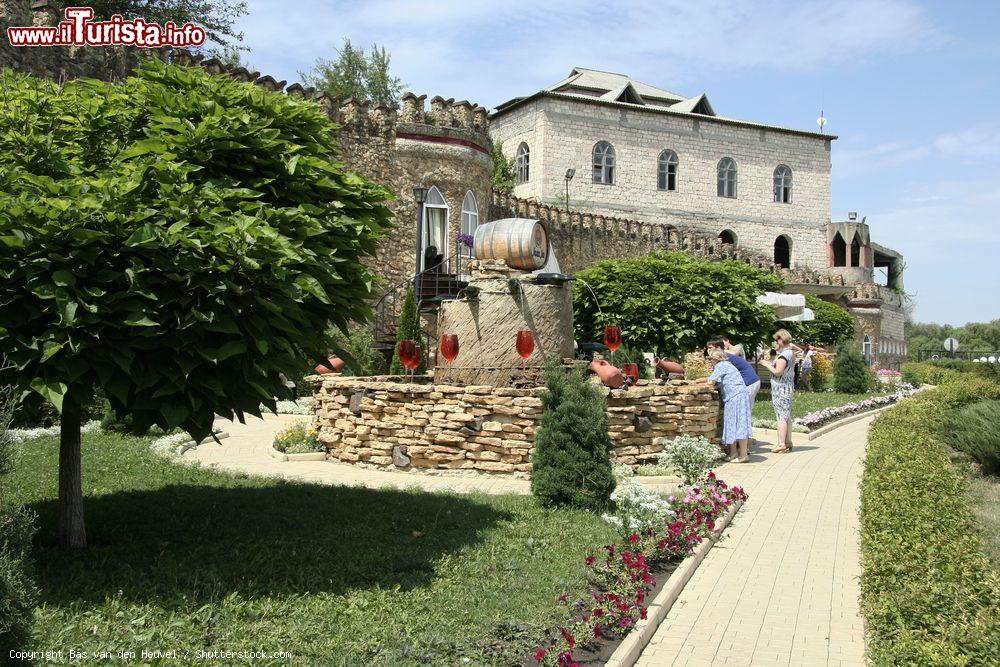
622 577
814 420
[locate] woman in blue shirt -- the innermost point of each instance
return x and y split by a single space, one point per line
736 428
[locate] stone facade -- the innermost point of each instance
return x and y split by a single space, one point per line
561 134
491 429
59 63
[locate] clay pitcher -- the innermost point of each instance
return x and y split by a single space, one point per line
334 364
610 376
668 366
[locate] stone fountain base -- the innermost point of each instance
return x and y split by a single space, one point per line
490 429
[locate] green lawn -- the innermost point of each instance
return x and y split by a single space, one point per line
805 402
186 558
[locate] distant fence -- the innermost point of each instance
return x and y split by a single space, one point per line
968 355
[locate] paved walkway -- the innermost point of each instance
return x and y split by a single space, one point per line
781 588
247 449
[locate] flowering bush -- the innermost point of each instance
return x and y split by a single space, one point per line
696 366
465 239
622 576
690 456
822 372
297 438
814 420
637 508
303 406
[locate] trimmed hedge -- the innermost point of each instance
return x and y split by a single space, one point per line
917 373
928 593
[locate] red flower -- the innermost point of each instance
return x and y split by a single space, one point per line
598 612
590 560
562 598
625 622
633 538
642 613
540 654
597 631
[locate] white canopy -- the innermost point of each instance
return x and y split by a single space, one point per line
787 307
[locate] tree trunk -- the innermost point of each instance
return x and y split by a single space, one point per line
72 534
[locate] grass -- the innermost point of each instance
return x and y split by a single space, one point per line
187 558
984 497
805 402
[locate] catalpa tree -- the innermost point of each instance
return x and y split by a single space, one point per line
177 240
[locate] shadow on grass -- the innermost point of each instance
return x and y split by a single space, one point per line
184 544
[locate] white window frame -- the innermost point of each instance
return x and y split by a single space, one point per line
426 222
783 184
603 163
522 164
667 170
727 178
470 219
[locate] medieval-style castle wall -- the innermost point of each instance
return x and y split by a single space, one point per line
59 63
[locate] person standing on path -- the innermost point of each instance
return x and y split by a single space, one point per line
782 369
806 368
746 370
736 429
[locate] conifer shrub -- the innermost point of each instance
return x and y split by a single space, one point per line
570 462
975 430
850 374
409 328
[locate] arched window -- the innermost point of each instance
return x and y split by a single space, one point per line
727 178
783 184
783 252
470 220
666 171
727 236
435 228
604 163
839 247
855 251
866 347
521 171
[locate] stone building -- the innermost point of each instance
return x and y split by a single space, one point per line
657 185
609 145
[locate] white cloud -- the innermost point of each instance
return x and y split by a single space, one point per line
981 142
490 51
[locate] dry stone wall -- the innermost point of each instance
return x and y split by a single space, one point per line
490 429
60 63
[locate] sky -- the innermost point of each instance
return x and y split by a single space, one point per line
911 88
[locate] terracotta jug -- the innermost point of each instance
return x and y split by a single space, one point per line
333 365
668 366
610 375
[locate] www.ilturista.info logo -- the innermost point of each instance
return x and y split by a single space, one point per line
79 30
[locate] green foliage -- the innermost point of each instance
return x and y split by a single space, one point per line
975 430
822 372
217 17
630 354
833 325
673 303
177 239
408 329
166 575
571 464
690 456
297 438
917 373
362 358
354 73
503 169
17 590
928 593
974 336
850 374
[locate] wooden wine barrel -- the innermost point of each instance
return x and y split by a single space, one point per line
521 242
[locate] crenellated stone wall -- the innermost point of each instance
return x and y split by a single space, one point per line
394 424
60 63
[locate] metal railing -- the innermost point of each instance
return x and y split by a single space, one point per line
445 278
